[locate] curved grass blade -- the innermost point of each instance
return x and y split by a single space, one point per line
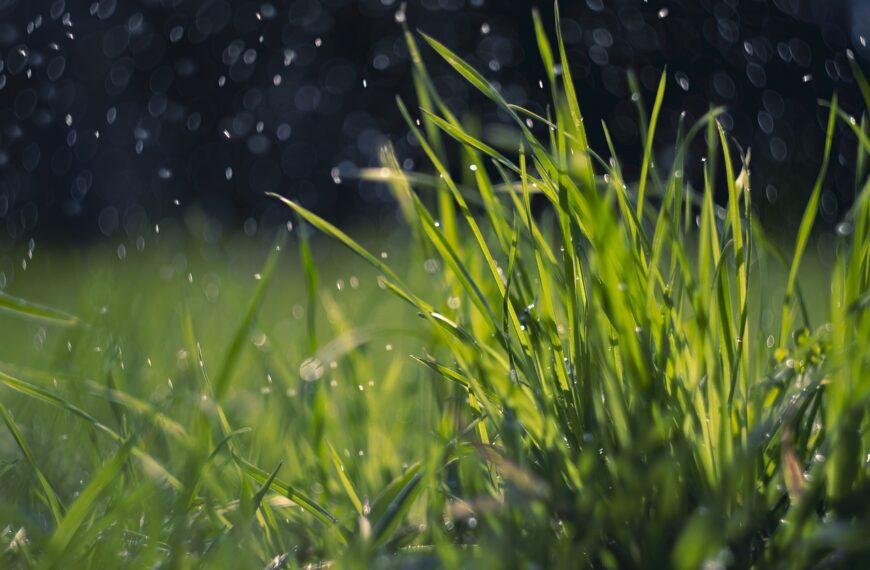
54 503
648 150
258 498
151 465
306 503
83 507
806 226
235 349
345 481
396 500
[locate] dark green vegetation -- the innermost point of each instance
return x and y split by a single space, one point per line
637 377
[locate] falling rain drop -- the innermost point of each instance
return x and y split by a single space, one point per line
682 80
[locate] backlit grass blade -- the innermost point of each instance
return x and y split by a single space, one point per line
240 337
465 70
463 137
267 484
33 311
860 78
306 503
544 48
345 481
740 258
806 226
311 280
389 509
330 230
648 150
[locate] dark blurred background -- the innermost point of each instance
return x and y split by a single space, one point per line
117 114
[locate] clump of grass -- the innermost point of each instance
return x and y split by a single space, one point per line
627 403
609 387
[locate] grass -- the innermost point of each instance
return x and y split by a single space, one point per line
601 374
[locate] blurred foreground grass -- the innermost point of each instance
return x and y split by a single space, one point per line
133 364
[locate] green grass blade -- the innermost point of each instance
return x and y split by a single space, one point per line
54 503
84 507
240 337
345 481
806 226
389 509
33 311
648 150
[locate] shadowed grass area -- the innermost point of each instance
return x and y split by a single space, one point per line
622 376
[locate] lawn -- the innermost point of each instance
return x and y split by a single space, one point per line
543 365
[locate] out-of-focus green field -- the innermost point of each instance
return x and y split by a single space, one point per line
366 397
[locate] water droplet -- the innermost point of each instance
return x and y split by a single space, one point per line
844 229
176 34
311 370
682 80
